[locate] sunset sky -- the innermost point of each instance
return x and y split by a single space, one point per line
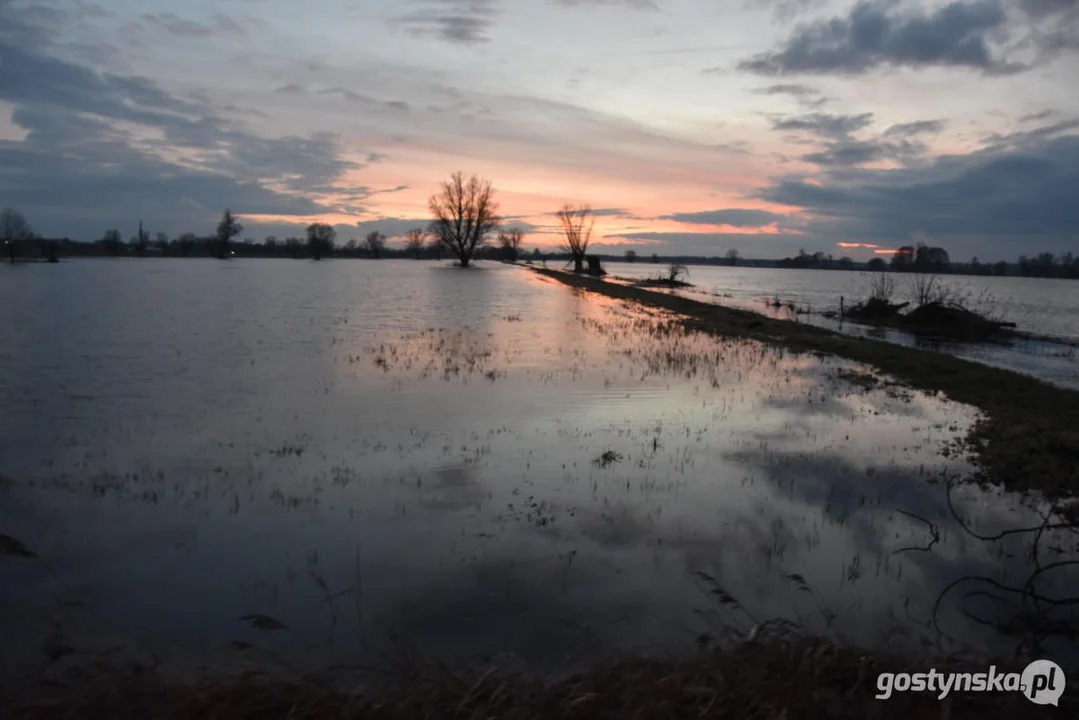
692 126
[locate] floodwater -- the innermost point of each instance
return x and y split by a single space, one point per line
1045 308
369 457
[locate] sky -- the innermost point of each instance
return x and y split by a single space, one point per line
692 127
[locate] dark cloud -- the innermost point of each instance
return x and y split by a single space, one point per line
1048 8
824 124
735 217
222 25
1022 190
1036 116
103 149
604 212
880 33
457 21
842 149
916 128
795 89
804 94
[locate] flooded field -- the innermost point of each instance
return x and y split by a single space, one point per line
295 463
1047 308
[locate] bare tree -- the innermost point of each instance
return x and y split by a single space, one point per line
375 242
320 237
631 256
227 229
187 242
577 225
732 257
415 239
293 244
511 242
13 229
675 272
464 212
436 247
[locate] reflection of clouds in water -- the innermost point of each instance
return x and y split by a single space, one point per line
455 487
463 492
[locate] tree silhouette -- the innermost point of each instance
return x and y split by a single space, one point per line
13 230
577 225
464 213
415 239
902 258
631 256
227 229
376 243
293 244
511 242
111 242
320 237
732 257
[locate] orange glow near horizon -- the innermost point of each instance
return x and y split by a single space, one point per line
870 246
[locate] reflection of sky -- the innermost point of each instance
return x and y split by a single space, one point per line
1043 308
467 511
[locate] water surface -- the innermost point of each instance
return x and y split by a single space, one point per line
1045 308
398 455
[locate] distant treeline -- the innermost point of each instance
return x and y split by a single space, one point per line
928 259
21 242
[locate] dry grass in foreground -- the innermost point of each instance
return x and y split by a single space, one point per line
768 677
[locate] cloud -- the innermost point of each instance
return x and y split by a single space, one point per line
735 217
915 128
604 212
291 89
842 149
1007 196
880 33
102 150
457 21
349 95
184 28
787 89
824 124
1036 116
803 94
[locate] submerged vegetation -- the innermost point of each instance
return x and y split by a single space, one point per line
939 310
1027 439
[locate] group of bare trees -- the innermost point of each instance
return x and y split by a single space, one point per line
464 214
